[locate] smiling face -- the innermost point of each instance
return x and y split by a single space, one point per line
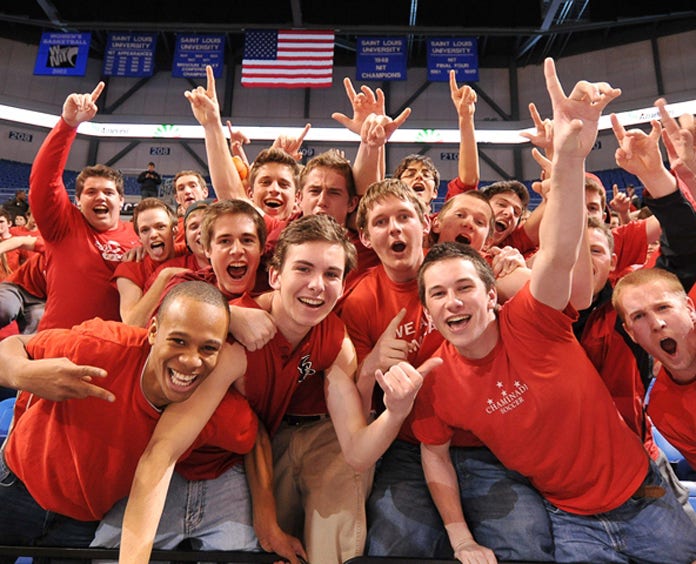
234 253
188 189
395 232
460 306
507 210
193 232
156 233
185 344
273 191
662 321
308 285
325 191
466 220
100 203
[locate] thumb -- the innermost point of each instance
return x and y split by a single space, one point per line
343 119
429 365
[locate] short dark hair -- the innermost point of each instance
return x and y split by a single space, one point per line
197 290
274 155
231 207
312 228
149 204
101 171
508 186
451 250
379 191
333 160
426 161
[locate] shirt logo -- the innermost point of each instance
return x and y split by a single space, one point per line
508 399
305 369
111 250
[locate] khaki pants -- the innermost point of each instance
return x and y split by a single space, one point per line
320 498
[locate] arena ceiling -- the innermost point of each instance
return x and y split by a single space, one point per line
509 32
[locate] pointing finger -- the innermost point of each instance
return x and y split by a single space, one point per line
98 89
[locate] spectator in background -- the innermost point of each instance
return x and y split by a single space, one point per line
149 181
17 205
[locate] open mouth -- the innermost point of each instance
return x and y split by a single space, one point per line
398 247
101 210
458 321
463 239
668 345
237 271
181 380
418 187
273 204
157 249
311 302
500 226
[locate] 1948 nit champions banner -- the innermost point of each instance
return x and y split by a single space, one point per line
288 59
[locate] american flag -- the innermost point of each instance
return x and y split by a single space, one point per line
288 59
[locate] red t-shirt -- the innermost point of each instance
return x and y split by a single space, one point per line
78 457
138 272
186 260
80 260
630 248
613 359
538 403
372 305
31 276
229 434
672 408
280 379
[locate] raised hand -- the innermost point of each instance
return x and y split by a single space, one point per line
678 138
79 108
464 98
620 203
204 101
291 145
638 153
575 117
401 384
543 137
377 129
364 103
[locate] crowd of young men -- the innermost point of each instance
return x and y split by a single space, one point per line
320 365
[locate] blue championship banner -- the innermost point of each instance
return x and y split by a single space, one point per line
194 52
62 54
381 58
459 53
130 54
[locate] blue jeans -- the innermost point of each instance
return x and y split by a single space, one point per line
212 514
643 529
24 522
502 510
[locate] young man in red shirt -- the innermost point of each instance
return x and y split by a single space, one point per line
93 444
305 372
546 415
84 244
